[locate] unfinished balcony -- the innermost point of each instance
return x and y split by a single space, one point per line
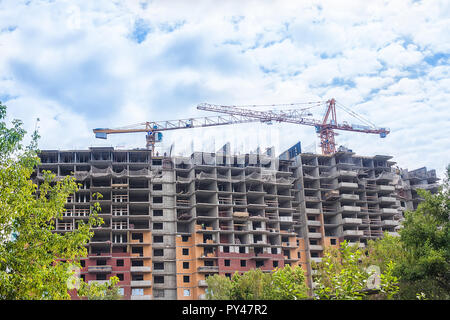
347 186
351 221
312 199
314 234
385 189
141 283
315 247
207 269
387 200
202 283
312 211
100 269
313 223
353 233
389 223
347 173
350 209
349 197
388 211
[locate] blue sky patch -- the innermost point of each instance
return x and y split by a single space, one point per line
141 30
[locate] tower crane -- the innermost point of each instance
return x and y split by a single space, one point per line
154 128
324 128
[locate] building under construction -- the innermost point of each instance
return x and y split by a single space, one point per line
170 222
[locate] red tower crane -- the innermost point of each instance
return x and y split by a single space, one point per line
324 128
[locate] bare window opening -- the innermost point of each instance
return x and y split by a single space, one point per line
137 236
138 157
158 279
137 263
158 266
185 265
138 197
138 184
156 162
226 249
226 262
138 250
120 276
158 293
186 279
259 264
157 187
158 252
157 226
82 157
158 239
100 276
185 252
101 262
275 264
157 199
157 213
243 263
333 241
209 263
137 277
120 263
185 238
120 156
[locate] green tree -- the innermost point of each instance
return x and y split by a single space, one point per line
251 285
425 237
343 275
286 283
219 287
289 283
34 260
97 291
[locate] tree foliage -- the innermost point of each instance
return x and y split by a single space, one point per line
35 262
100 291
286 283
343 275
425 237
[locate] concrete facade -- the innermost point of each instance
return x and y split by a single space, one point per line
172 222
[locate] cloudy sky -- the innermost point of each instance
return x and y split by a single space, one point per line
79 65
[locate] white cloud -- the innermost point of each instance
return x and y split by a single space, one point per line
395 55
77 66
